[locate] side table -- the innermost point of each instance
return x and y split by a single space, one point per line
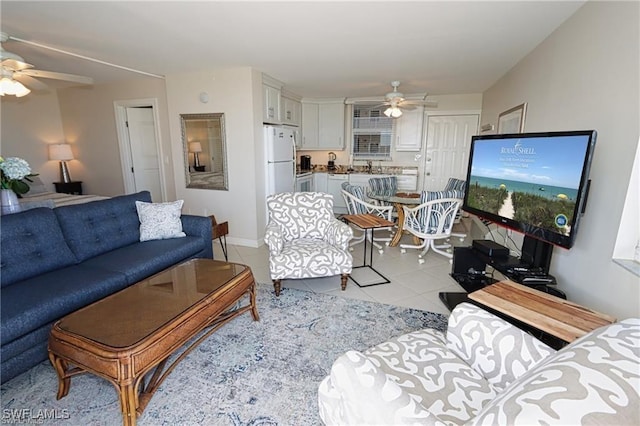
368 222
74 187
550 314
219 231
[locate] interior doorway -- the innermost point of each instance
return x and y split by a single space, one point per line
140 148
448 139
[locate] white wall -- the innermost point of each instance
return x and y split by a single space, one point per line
231 91
28 125
83 117
88 117
586 76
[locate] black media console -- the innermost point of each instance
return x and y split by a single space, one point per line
470 263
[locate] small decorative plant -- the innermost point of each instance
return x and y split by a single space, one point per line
14 171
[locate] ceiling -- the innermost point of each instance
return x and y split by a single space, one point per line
318 49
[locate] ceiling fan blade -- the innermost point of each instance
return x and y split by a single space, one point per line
429 104
30 82
58 76
15 65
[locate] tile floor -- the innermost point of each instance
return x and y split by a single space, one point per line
412 285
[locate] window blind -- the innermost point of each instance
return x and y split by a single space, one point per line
372 133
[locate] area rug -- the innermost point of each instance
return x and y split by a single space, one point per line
246 373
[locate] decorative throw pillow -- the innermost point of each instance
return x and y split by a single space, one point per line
36 187
160 221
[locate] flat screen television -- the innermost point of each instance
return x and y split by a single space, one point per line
534 183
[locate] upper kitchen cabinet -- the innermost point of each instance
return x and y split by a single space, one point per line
322 124
408 130
271 100
291 109
309 126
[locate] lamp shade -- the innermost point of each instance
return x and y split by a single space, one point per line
195 147
393 111
61 152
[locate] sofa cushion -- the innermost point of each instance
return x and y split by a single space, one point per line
381 400
29 304
422 365
31 244
594 380
159 221
493 347
24 352
101 226
140 260
24 343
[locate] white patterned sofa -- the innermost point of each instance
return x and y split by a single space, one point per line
484 371
304 238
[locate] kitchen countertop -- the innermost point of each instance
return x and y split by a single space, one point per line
386 170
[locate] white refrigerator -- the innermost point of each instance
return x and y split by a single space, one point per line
280 153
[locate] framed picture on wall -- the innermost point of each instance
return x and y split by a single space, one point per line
512 120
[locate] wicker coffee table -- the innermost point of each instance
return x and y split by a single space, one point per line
130 333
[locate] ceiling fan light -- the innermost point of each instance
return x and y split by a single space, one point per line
6 86
388 111
20 89
9 86
395 112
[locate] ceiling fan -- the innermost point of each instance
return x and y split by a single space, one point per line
396 101
17 76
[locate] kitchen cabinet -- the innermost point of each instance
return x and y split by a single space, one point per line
334 187
331 126
309 126
291 111
406 182
362 180
271 107
323 125
408 131
320 181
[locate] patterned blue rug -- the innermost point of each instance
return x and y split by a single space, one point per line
246 373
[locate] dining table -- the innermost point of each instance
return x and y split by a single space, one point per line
397 199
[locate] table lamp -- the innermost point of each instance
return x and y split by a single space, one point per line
62 152
195 147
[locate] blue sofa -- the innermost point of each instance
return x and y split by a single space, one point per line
55 261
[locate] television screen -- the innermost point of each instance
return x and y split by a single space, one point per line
535 183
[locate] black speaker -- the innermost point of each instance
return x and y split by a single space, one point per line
537 253
465 261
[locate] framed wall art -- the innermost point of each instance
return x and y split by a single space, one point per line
512 120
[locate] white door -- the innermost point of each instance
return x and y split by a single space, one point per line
144 152
447 148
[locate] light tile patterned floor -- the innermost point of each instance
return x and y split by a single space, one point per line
412 284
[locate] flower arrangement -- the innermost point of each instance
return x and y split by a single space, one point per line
13 171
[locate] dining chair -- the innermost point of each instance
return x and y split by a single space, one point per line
459 185
383 186
304 238
432 222
455 184
355 200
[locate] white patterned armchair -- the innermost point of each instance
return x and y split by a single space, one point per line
304 238
485 371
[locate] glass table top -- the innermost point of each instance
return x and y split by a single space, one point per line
130 315
409 198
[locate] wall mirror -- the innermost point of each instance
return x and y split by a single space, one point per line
204 146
